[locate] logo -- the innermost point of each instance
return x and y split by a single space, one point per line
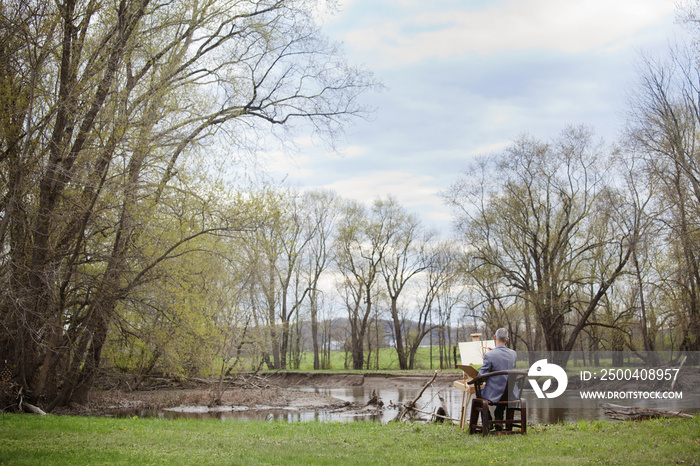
543 369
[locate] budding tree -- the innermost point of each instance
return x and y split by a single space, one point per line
102 104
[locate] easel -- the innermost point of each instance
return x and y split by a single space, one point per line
471 353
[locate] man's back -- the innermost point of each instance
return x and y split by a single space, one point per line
500 358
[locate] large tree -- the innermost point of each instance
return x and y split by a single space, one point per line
537 220
360 245
663 127
323 211
102 104
403 259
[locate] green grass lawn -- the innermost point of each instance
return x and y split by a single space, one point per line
388 360
29 439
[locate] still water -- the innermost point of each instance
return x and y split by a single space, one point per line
538 412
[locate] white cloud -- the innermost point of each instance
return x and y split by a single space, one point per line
353 151
490 148
416 192
512 25
409 188
511 66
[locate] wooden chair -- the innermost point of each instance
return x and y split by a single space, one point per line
480 405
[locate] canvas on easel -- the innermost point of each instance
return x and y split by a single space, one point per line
472 352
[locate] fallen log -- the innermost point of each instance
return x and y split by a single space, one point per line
374 400
33 409
23 405
630 413
410 406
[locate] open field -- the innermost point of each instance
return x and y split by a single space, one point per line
388 361
29 439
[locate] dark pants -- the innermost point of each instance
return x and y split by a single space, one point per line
498 414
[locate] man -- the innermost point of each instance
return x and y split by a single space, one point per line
500 358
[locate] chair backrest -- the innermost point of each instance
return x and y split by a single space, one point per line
513 388
516 379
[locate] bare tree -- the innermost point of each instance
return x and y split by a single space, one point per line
543 227
404 258
323 210
663 125
359 247
436 297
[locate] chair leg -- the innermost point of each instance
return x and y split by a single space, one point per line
509 418
485 418
474 417
523 417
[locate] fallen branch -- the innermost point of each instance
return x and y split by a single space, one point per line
34 409
629 413
443 409
434 415
679 370
410 406
22 405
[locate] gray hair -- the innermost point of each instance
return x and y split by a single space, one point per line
501 335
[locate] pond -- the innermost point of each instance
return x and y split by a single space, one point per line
538 410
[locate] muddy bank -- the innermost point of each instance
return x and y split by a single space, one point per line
375 380
271 390
104 402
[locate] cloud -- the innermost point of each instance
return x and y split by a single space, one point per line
505 26
410 188
353 151
466 78
418 193
490 148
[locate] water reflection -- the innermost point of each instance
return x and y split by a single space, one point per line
538 410
265 414
393 398
570 407
541 411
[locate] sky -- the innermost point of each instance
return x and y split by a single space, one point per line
466 78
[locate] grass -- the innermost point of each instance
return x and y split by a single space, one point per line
28 439
388 360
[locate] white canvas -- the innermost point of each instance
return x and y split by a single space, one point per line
472 352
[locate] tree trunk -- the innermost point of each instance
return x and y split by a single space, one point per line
314 329
398 334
